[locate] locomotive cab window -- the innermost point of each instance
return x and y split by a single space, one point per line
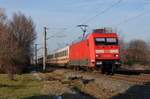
112 41
106 41
100 41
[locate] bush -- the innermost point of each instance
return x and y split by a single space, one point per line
137 53
17 37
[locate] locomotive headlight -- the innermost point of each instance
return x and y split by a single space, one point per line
116 55
114 51
97 56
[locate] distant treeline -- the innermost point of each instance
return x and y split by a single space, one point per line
17 36
135 52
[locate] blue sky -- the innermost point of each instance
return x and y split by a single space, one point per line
60 14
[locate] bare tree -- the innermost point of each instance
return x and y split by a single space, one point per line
2 34
137 52
5 46
122 44
23 30
2 15
17 37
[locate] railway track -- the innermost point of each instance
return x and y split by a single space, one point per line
138 79
134 79
143 79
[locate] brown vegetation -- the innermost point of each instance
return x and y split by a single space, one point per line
17 36
136 52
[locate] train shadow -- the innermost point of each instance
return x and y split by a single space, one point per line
135 92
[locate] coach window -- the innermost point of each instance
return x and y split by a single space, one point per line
55 54
66 52
62 53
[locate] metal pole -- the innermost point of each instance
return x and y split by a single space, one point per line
36 54
45 49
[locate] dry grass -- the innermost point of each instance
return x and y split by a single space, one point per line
24 86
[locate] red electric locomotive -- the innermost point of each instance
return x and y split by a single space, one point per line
98 49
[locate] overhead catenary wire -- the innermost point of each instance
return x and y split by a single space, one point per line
136 16
98 14
102 12
144 4
133 18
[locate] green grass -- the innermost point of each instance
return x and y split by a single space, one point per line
23 87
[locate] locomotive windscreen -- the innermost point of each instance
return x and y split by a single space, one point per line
106 41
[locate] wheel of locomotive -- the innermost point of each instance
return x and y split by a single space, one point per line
108 69
89 69
78 68
103 71
113 69
75 68
66 65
